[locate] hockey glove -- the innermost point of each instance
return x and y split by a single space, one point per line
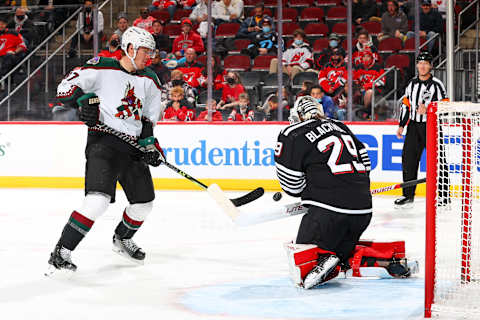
89 111
153 154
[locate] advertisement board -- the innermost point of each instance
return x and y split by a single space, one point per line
237 156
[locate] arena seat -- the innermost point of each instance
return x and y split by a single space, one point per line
320 44
300 3
172 30
251 79
409 45
390 45
328 3
304 76
227 30
311 15
161 15
340 28
262 63
289 28
336 14
401 61
239 44
181 14
373 27
316 30
271 80
239 62
288 15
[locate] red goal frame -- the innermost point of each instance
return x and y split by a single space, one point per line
466 190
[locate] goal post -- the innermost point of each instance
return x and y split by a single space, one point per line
452 250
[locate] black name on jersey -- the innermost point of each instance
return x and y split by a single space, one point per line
321 130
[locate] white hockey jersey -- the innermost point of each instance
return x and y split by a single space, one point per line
298 56
124 97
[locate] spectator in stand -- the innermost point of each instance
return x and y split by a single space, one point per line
306 88
12 50
333 77
216 115
199 13
113 50
394 22
122 25
169 5
218 74
364 43
177 80
162 72
187 39
187 4
85 25
229 11
252 26
364 77
162 42
431 23
329 108
298 58
191 69
271 110
325 55
233 88
145 21
266 42
23 25
244 111
178 108
287 97
363 10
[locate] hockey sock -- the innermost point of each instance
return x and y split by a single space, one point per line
127 227
74 231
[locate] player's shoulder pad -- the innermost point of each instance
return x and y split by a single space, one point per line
149 73
102 62
294 130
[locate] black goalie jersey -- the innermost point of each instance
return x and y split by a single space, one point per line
326 165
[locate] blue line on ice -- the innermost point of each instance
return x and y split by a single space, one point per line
338 299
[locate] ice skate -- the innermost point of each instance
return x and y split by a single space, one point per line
60 260
320 272
128 249
403 203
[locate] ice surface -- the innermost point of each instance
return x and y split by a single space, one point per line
199 265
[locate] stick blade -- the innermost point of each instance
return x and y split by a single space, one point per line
249 197
223 202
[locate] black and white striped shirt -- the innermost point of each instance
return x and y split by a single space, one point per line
418 92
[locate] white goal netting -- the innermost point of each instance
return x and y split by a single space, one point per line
456 291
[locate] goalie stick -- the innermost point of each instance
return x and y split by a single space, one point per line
228 205
293 209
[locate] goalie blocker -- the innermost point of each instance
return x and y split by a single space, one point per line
369 259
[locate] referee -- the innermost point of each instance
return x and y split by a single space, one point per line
420 91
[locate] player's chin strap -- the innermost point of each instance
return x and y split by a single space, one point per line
132 59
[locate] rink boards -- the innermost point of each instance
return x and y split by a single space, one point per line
236 156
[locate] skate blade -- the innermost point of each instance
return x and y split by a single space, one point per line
126 256
58 274
404 206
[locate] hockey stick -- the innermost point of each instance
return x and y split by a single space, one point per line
229 205
293 209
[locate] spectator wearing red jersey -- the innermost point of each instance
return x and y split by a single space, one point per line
364 43
218 74
144 21
233 88
241 109
333 77
113 50
178 109
365 75
12 50
187 39
191 69
187 4
216 115
169 5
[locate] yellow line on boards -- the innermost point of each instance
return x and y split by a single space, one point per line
169 184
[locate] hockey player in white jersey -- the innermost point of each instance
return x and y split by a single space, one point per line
123 95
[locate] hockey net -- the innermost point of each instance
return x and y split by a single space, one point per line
452 264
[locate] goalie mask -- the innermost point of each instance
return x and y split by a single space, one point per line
137 37
305 108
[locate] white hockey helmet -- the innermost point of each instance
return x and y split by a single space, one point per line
137 37
305 108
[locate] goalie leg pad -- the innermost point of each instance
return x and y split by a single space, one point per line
302 258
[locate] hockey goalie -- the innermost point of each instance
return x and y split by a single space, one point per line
323 162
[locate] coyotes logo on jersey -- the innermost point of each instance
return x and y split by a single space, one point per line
131 105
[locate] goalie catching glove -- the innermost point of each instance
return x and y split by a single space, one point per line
153 154
88 109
